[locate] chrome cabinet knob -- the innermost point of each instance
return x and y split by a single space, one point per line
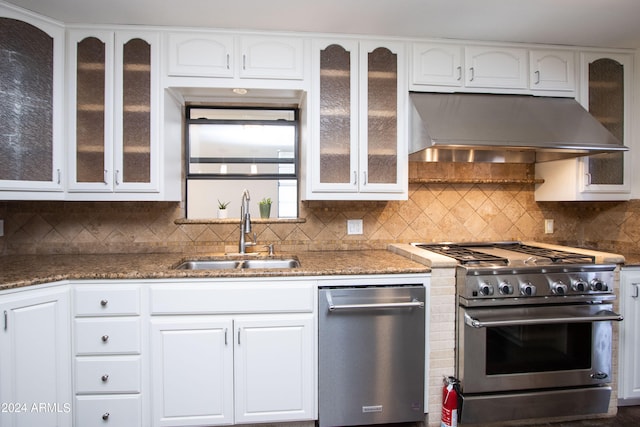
105 378
104 302
105 416
105 338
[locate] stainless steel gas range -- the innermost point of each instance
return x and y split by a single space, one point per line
534 330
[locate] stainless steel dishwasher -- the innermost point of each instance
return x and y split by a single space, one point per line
371 350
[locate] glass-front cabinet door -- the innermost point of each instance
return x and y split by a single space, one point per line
112 112
31 106
607 97
605 90
359 139
335 160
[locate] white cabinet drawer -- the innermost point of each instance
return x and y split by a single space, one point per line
107 336
104 411
109 300
233 297
111 374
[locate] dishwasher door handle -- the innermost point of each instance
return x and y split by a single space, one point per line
411 304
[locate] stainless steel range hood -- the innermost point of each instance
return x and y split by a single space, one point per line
503 128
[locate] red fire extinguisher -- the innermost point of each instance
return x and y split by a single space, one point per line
450 393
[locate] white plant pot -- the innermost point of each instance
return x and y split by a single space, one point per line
223 213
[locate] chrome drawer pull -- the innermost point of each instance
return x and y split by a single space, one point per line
104 302
105 338
105 416
105 378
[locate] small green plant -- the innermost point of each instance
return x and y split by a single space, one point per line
265 201
222 205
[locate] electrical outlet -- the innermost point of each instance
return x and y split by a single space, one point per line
548 226
354 226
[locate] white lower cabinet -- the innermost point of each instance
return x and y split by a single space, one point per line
274 368
35 363
629 363
233 367
108 355
101 411
192 369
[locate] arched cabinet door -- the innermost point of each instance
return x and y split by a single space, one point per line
606 101
605 90
358 149
31 107
112 116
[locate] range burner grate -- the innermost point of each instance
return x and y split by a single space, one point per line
557 257
465 255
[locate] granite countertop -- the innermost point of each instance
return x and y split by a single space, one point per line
25 270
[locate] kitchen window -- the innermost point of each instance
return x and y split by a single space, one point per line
232 149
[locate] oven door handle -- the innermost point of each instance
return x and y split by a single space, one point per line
601 316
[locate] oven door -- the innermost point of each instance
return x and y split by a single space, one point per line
534 347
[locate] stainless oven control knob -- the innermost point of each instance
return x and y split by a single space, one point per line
527 289
579 286
559 288
598 285
486 289
505 288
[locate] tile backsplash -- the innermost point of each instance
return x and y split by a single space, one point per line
433 212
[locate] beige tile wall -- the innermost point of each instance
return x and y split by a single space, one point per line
434 212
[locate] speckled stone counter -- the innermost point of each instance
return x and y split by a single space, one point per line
25 270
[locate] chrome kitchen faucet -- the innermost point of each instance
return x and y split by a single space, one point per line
245 222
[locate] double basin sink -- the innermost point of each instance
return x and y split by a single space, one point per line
232 264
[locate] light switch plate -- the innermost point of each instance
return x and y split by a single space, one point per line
354 226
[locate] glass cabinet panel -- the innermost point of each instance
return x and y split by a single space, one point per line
335 115
26 104
90 110
382 136
606 103
136 112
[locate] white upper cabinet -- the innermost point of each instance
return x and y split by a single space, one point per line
359 143
605 81
495 67
32 136
503 69
113 115
437 64
552 70
450 67
271 57
206 54
200 54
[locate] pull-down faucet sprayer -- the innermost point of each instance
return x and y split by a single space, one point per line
245 221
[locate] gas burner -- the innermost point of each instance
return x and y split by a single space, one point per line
481 254
465 255
556 256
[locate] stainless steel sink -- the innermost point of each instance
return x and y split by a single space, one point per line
216 264
271 263
230 264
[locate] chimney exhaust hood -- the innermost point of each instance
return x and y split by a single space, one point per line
469 127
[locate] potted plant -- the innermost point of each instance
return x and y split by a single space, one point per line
265 207
222 209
